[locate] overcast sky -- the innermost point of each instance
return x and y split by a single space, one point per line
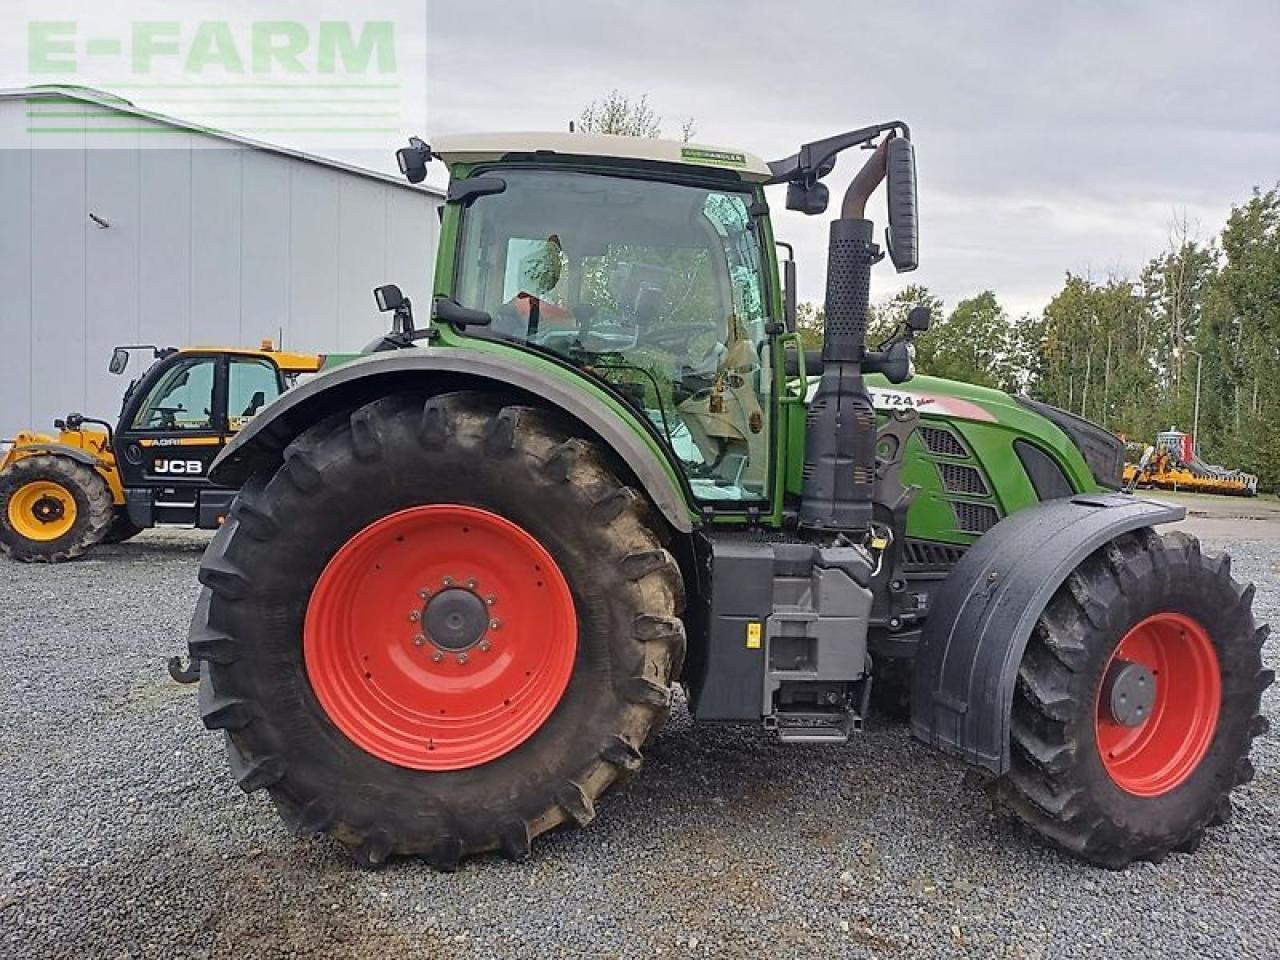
1050 136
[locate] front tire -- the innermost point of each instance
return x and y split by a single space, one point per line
1137 702
52 509
400 728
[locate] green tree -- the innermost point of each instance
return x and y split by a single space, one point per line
973 343
1239 338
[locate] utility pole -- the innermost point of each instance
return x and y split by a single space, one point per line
1195 417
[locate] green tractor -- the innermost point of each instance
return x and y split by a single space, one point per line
464 573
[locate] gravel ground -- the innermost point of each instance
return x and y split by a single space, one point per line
122 835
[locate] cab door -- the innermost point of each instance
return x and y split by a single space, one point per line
252 383
170 431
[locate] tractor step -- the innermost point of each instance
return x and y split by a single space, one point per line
830 728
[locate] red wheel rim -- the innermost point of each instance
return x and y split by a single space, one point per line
505 637
1156 755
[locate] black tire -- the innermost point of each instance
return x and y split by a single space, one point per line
122 528
86 488
345 473
1058 782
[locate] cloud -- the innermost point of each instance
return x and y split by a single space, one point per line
1051 137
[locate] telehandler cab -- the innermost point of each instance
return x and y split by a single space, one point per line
460 580
98 483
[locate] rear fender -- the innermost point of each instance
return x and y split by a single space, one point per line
439 370
973 640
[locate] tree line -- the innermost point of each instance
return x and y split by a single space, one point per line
1125 352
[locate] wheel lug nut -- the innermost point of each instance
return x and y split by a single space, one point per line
471 584
484 646
424 593
447 581
462 658
491 599
414 616
494 624
419 640
437 656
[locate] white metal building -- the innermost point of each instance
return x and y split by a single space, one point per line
188 237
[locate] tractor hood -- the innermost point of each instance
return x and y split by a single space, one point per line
1102 450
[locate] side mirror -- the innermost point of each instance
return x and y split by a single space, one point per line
902 236
119 360
388 297
918 319
413 160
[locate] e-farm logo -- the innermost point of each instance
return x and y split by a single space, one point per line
269 49
322 75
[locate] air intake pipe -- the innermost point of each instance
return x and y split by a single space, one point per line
840 434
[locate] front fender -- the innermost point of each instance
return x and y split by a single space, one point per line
982 618
439 370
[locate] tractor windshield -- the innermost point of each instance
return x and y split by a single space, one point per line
656 287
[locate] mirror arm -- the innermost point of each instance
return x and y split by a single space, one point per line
453 313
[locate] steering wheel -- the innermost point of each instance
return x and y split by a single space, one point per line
168 416
675 335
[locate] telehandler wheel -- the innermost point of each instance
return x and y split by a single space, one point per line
1137 702
52 509
122 528
442 627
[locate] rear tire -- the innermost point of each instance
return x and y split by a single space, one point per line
1113 792
338 481
52 509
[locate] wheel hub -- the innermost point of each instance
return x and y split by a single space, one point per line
48 509
455 619
1129 692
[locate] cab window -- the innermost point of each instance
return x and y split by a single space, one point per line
181 400
251 385
656 287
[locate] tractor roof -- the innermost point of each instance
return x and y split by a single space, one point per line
478 147
285 360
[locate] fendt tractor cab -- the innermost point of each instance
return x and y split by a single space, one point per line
95 482
464 573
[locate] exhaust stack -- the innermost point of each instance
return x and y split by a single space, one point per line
840 435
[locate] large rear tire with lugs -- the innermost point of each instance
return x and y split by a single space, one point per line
442 627
1137 702
52 509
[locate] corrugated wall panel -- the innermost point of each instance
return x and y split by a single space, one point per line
15 289
264 309
362 251
58 223
111 268
313 258
164 275
215 246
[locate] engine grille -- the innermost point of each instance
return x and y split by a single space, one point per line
975 517
959 478
942 441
